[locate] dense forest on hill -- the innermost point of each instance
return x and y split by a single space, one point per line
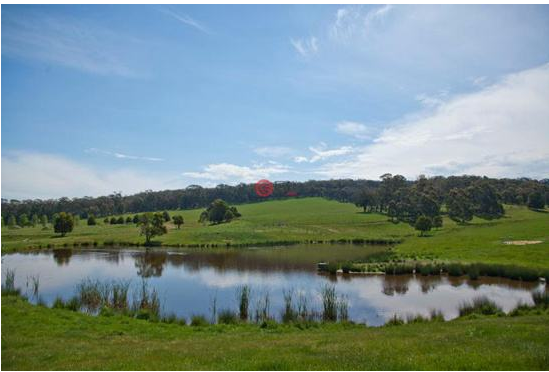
387 194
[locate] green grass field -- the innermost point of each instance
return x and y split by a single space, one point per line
39 338
320 219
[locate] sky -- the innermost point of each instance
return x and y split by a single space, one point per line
106 98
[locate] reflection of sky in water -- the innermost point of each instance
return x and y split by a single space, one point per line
188 283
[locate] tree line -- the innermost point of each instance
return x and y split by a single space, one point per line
388 189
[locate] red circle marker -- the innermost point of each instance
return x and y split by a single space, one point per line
264 188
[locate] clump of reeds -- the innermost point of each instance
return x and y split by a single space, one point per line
436 316
395 320
199 321
227 316
479 305
262 310
541 298
9 283
243 296
329 303
289 314
343 309
147 299
417 318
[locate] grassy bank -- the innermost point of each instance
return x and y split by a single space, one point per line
35 337
317 219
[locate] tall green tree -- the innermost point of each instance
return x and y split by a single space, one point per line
34 220
44 221
91 220
11 221
423 224
178 221
219 211
151 225
536 200
485 200
63 223
366 199
459 206
24 220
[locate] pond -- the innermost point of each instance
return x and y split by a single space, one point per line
189 281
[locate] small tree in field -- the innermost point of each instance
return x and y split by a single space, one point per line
536 200
166 216
178 221
91 220
63 223
23 220
437 221
44 221
423 224
11 222
151 225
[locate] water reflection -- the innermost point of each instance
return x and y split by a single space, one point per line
62 256
188 281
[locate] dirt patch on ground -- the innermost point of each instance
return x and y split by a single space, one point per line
522 242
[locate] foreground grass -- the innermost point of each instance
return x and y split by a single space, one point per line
320 219
35 337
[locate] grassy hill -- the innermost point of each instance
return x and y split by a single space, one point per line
34 337
320 219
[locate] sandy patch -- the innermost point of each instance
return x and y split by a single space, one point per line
522 242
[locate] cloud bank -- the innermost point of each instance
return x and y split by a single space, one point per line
499 131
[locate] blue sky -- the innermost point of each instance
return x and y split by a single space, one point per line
104 98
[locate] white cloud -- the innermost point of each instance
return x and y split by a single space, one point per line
354 21
67 42
321 153
354 129
301 159
273 151
37 175
432 100
499 131
118 155
305 47
186 19
233 173
479 81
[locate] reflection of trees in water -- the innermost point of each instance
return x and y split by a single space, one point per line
429 283
150 263
62 256
239 261
395 284
113 256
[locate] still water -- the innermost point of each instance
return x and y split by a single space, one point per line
189 281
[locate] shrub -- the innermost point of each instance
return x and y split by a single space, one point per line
199 321
454 269
73 304
346 267
227 317
473 272
58 303
332 268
